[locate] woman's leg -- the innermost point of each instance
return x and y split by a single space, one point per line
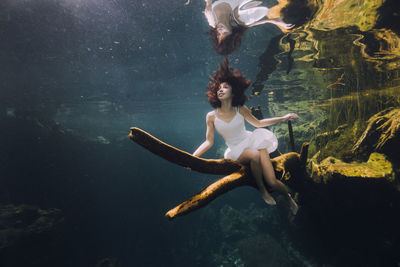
269 176
252 156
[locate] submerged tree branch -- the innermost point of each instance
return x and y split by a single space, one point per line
237 173
182 158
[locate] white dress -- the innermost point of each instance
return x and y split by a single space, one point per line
237 138
249 12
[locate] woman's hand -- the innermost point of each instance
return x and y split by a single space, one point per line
290 116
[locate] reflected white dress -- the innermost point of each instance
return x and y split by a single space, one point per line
237 138
249 12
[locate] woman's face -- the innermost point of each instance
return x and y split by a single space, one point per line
222 32
224 92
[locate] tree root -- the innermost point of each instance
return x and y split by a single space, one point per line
236 173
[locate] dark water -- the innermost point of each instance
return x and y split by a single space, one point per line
77 74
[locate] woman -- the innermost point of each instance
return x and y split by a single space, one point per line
229 19
226 95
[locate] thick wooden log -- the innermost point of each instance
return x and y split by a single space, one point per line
182 158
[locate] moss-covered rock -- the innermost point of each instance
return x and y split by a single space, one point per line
377 167
338 143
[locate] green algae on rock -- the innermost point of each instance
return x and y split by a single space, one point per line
338 142
377 167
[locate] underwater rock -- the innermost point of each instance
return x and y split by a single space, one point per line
254 236
108 262
233 223
286 166
337 143
322 139
256 250
237 224
263 250
21 222
302 133
377 167
26 230
382 134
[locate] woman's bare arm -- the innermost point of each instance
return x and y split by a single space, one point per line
246 113
206 145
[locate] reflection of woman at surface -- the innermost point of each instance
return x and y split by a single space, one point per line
226 94
229 19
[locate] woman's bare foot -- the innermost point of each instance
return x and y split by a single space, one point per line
268 198
293 205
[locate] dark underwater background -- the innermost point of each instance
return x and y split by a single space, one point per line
76 191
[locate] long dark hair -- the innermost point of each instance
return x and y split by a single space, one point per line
230 43
234 78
